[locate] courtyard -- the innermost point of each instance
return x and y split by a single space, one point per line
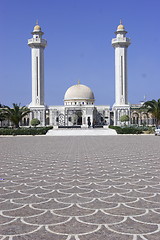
80 188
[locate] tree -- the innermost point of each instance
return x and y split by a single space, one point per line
153 107
15 114
124 118
35 122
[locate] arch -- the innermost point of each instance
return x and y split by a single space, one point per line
144 118
135 118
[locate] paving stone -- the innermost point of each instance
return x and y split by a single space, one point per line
100 217
149 217
104 233
154 236
119 199
16 227
51 204
24 211
138 194
73 227
5 191
36 190
8 205
98 204
123 210
144 204
47 218
13 195
75 199
4 219
54 194
30 199
96 194
74 210
40 234
134 227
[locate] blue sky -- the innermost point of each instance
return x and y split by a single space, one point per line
79 34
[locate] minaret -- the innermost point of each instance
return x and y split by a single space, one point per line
121 43
121 106
37 45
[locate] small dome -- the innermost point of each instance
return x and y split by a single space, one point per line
37 28
79 92
120 27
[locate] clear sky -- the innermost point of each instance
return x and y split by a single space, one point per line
79 34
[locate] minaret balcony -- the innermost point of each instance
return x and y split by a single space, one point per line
121 41
37 42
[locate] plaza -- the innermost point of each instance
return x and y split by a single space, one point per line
80 188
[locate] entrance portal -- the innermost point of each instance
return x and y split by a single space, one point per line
77 117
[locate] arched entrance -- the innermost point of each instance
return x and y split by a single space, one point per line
135 118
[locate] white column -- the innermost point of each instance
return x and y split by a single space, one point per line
37 45
121 43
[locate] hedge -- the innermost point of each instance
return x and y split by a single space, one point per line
25 131
127 130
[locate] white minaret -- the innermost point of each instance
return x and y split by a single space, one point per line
37 45
121 43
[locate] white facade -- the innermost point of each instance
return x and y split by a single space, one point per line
79 109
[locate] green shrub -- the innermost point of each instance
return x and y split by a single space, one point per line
124 118
35 122
127 130
25 131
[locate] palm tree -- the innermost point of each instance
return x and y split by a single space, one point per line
15 114
153 107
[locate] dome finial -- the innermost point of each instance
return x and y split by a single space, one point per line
120 26
37 27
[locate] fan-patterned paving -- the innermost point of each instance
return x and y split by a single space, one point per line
80 188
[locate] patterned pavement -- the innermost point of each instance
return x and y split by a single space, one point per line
80 188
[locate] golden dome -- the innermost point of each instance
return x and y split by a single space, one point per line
120 27
37 28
